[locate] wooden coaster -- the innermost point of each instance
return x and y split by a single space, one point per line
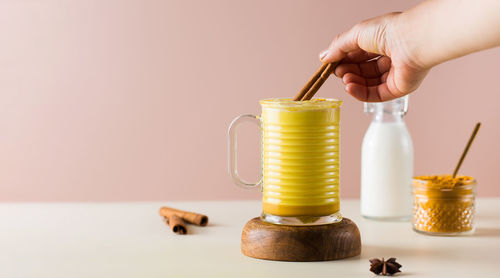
267 241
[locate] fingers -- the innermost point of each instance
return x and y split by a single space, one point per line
355 56
341 45
367 81
358 56
368 35
383 78
377 89
366 66
363 93
353 78
368 69
370 94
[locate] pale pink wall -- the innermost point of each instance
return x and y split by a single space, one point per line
131 100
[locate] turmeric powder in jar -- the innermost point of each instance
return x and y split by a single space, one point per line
443 205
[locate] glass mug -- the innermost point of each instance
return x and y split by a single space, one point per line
299 160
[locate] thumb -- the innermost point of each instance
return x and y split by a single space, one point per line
369 35
341 45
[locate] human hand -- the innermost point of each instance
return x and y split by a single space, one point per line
378 61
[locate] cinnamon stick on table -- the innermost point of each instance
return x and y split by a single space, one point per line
191 217
177 225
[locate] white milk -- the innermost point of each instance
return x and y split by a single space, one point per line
386 168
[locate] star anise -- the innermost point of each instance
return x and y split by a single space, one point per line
384 267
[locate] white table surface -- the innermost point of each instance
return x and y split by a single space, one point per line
129 240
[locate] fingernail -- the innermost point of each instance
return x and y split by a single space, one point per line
323 54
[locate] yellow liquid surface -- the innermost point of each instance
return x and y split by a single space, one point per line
300 157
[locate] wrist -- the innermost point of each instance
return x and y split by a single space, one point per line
406 41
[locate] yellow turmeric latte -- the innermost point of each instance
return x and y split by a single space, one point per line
300 157
443 204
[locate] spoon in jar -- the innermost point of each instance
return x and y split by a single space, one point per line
464 153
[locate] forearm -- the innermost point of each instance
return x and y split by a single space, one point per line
439 30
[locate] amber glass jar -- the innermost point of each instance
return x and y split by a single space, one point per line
443 205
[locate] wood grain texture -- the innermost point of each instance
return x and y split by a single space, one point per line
267 241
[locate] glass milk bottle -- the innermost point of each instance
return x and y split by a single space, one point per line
387 162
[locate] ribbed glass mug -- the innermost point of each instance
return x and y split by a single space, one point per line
299 160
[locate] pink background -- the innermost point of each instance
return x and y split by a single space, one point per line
131 100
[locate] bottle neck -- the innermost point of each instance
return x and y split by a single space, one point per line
388 112
387 118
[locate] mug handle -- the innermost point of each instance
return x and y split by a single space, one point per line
233 162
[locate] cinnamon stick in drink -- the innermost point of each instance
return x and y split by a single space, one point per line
316 81
190 217
309 83
177 225
319 82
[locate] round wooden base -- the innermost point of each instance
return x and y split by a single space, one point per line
267 241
